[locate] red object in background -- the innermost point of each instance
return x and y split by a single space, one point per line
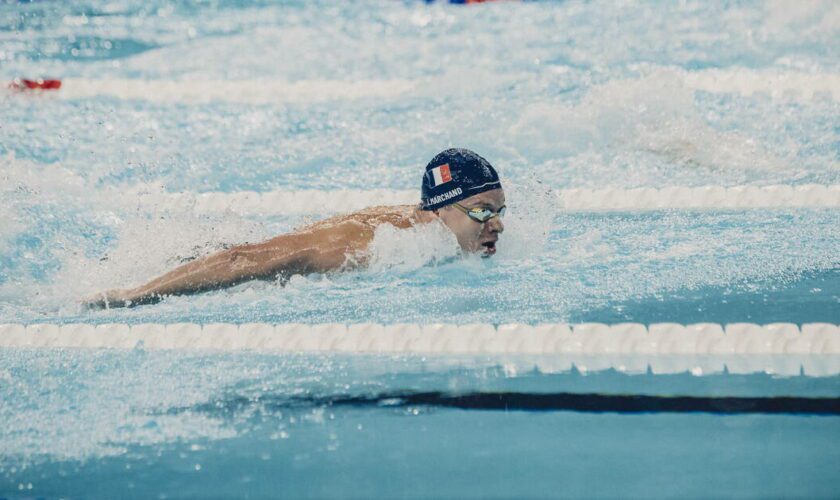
39 84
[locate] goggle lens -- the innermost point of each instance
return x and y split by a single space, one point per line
484 214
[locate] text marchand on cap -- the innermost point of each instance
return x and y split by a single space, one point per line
445 196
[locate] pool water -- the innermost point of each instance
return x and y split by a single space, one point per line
360 95
142 424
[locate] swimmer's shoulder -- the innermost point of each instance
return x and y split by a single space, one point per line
400 216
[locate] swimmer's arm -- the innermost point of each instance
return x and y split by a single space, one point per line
311 251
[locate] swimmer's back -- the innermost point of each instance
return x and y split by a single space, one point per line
342 240
399 216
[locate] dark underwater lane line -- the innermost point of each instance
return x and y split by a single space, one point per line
601 403
534 402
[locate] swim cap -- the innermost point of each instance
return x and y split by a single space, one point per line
456 174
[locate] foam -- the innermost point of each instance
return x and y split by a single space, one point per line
41 196
662 348
793 86
407 249
633 124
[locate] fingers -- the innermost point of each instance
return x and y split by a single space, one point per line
95 302
104 300
118 298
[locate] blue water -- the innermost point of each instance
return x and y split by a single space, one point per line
555 94
144 424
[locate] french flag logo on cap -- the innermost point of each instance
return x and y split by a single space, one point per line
441 175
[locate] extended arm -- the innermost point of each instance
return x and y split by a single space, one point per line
316 250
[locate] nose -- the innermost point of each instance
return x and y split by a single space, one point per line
495 225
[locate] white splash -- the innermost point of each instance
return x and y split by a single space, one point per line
654 114
65 217
531 210
408 249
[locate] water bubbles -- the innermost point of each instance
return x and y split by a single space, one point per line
165 11
81 20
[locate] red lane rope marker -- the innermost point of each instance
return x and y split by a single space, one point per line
24 84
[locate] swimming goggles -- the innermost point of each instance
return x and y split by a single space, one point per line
481 215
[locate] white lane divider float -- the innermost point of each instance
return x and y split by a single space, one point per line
606 199
235 91
783 348
774 83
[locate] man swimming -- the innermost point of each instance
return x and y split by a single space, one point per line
460 189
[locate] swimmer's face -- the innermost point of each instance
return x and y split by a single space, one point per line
475 236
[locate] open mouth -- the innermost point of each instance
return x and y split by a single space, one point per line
490 248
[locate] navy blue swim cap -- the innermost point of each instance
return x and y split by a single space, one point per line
456 174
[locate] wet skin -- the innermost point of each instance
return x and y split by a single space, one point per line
335 244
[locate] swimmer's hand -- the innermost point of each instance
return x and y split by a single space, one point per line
118 298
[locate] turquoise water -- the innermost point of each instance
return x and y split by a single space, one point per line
85 424
555 94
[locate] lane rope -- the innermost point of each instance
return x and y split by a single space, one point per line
774 84
234 91
784 348
605 199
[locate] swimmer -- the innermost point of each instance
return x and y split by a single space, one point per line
460 189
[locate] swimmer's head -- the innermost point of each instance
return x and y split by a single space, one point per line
463 189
